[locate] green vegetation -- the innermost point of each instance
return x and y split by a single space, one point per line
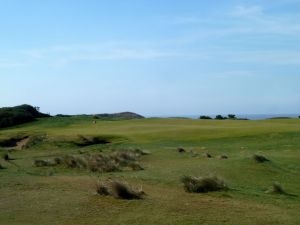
118 116
202 184
205 118
119 190
50 181
11 116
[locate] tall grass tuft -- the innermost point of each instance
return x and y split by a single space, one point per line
202 184
260 158
119 190
2 167
276 189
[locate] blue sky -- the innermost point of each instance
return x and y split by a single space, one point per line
158 57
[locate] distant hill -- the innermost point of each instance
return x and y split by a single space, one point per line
11 116
122 115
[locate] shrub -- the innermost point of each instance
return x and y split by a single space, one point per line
231 116
220 117
202 184
260 158
205 118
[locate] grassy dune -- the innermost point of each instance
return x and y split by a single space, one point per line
60 195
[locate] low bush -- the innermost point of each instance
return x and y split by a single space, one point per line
205 118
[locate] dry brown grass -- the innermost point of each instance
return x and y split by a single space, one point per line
112 162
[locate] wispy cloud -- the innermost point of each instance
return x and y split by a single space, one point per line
247 11
7 64
109 51
242 19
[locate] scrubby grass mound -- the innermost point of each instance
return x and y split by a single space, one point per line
119 190
113 162
202 184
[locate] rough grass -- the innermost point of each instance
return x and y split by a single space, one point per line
260 158
7 157
112 162
2 167
202 184
68 197
119 190
276 189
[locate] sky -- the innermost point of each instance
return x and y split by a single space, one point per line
158 57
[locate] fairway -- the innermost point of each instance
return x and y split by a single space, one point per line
51 195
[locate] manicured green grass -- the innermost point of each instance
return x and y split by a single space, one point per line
59 195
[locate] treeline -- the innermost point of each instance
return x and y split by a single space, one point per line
11 116
220 117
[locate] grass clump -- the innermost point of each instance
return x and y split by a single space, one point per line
83 141
43 162
102 188
202 184
112 162
181 150
2 167
7 157
260 158
34 140
223 157
276 188
207 155
119 190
